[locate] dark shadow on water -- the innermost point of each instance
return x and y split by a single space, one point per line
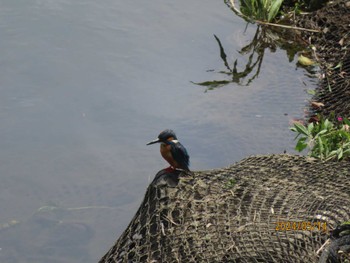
263 39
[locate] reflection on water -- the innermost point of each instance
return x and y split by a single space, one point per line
264 38
84 85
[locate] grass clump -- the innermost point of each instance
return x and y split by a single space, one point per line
325 139
264 10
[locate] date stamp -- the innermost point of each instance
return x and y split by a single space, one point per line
301 225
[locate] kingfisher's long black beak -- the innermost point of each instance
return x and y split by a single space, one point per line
153 142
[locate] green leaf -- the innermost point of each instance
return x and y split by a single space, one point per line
293 129
310 127
301 145
320 144
301 129
327 124
331 155
346 152
340 153
346 121
321 132
305 61
275 7
346 145
311 91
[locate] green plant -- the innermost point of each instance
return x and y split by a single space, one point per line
230 183
326 140
265 10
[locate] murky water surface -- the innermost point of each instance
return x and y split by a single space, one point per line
85 84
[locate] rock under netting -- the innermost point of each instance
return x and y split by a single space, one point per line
231 214
333 54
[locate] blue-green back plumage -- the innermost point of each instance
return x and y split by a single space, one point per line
180 154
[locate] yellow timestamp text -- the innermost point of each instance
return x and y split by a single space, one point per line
301 225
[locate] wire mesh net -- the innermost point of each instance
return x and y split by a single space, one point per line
333 54
276 208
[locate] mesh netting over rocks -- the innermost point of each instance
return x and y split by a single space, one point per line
333 53
231 214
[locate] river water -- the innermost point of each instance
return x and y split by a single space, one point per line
86 84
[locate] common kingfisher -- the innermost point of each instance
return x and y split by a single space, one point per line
172 150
